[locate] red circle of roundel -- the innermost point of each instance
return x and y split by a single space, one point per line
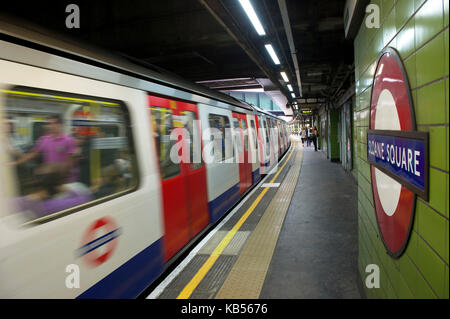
390 74
93 258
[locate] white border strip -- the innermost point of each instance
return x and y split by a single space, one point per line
270 185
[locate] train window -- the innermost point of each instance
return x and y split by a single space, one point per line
190 124
222 123
266 130
254 135
237 135
162 127
245 132
67 151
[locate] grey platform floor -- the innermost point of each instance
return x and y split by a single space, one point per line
316 253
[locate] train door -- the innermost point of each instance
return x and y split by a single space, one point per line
280 139
241 143
288 136
260 141
185 210
247 162
272 140
194 170
265 143
254 149
285 138
276 139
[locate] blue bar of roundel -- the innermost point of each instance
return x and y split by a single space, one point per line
98 242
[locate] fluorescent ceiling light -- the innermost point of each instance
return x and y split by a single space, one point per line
293 95
290 88
247 90
272 53
248 8
284 76
224 80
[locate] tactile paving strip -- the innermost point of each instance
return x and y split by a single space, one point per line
247 276
180 281
214 279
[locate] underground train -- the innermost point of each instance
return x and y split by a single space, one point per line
94 203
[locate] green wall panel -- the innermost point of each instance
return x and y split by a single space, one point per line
430 61
430 104
428 21
418 29
333 141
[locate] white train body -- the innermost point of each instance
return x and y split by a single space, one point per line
115 245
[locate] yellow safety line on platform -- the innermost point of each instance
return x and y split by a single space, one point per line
247 276
189 288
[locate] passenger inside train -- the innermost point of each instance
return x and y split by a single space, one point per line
74 152
109 182
54 147
50 193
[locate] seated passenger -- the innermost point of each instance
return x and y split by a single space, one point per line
51 195
123 163
111 182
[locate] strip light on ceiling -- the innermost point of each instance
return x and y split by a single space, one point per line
293 95
284 76
272 53
290 88
248 8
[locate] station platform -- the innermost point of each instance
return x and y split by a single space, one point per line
293 236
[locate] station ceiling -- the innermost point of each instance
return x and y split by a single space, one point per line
209 40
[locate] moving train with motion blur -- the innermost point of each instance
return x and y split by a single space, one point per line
92 203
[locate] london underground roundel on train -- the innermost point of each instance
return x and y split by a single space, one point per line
398 154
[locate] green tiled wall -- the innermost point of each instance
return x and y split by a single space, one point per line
333 140
355 142
418 29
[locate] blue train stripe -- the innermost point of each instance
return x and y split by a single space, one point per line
130 279
219 205
256 176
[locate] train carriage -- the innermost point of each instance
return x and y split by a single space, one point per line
123 209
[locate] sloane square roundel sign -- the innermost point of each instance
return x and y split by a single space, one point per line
396 152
